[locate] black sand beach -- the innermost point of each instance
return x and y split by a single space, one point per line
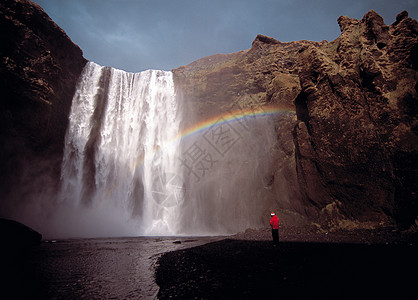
361 264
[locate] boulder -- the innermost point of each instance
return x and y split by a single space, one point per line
15 235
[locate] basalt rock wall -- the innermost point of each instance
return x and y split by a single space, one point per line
349 150
357 140
39 68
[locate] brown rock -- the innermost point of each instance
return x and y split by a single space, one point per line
39 68
263 75
357 101
346 22
400 17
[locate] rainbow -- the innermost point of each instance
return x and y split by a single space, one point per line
232 116
227 117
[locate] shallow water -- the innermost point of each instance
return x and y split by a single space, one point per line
112 268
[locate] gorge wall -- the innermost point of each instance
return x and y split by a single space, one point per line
349 151
266 74
39 68
357 136
346 147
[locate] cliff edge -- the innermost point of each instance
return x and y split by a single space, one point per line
39 69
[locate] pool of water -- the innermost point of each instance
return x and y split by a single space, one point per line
112 268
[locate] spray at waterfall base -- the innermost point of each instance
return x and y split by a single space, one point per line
131 166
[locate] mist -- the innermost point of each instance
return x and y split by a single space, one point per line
127 170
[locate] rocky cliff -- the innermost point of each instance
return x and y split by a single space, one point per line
349 151
39 68
357 143
266 74
346 148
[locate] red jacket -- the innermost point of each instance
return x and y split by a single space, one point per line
274 222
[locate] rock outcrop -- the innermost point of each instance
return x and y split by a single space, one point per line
350 150
15 235
265 74
39 68
357 143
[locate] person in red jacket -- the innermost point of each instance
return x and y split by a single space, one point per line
274 223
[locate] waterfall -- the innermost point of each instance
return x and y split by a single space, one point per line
120 150
135 164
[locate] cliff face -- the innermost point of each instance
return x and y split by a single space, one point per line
39 68
357 143
350 149
266 74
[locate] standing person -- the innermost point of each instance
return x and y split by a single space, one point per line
274 223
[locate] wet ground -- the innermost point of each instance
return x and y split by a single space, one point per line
115 268
361 264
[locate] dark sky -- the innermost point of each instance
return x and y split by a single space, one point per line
136 35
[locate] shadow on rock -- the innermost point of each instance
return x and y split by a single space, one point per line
15 235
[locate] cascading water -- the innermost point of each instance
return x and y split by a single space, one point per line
119 146
130 168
